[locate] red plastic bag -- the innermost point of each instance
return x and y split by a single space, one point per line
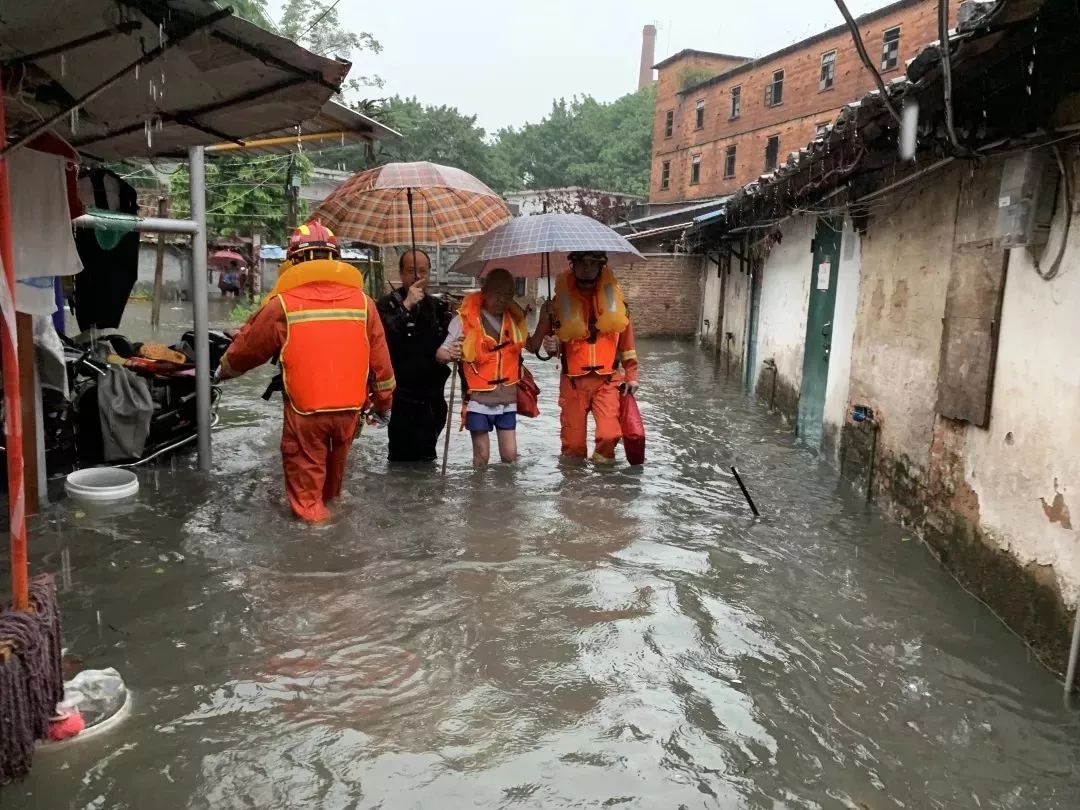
528 395
633 429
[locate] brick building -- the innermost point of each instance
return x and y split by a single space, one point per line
722 121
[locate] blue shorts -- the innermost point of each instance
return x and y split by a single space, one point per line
486 422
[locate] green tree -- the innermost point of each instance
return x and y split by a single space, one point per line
251 10
243 195
315 24
583 142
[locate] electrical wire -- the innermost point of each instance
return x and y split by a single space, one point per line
865 57
946 73
1055 266
318 20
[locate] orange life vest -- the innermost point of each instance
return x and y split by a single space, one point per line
326 356
488 363
596 351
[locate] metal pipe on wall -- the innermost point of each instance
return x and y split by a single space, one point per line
200 297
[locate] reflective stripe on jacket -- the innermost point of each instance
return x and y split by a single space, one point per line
326 356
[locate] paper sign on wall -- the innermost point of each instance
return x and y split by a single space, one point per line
824 275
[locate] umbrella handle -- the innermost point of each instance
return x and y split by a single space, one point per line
412 225
449 416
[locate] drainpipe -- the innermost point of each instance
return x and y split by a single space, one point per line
770 364
1074 654
864 413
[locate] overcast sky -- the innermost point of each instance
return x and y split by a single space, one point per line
505 60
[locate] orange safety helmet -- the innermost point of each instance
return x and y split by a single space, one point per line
311 237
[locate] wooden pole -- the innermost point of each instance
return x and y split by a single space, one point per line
20 581
159 268
449 416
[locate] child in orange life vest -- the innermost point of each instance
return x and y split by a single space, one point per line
487 337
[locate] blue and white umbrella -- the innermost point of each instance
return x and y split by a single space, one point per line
530 246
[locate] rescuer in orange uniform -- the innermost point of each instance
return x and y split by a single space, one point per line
330 339
593 337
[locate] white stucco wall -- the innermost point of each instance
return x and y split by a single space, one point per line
843 330
710 304
177 267
1030 453
906 259
785 294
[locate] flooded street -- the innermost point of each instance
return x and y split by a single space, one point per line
539 635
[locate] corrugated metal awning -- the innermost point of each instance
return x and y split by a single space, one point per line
154 77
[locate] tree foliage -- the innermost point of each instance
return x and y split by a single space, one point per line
315 24
243 195
583 142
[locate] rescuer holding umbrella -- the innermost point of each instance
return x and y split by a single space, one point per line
329 338
593 337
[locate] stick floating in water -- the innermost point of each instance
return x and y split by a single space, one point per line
745 492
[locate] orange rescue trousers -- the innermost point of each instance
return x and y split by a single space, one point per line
577 397
314 449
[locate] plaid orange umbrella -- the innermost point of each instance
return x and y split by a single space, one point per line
417 203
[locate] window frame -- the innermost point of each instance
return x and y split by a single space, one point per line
821 128
699 114
771 87
695 169
831 67
669 123
776 157
885 42
736 102
731 156
665 175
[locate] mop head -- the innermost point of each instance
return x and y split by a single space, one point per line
31 681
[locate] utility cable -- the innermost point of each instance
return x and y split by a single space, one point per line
861 48
946 73
1055 266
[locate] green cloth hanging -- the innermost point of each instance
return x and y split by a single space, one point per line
111 226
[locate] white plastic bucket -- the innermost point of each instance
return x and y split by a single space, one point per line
102 484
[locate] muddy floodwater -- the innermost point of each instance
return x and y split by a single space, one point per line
540 636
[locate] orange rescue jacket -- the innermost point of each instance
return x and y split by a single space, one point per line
597 352
326 356
488 363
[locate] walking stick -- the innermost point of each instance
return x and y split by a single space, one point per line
449 416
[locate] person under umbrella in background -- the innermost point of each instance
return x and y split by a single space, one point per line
416 326
329 337
593 337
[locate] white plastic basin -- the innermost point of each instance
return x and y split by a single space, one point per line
102 484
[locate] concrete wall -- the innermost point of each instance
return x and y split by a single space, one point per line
664 293
177 269
843 338
901 301
785 294
1025 469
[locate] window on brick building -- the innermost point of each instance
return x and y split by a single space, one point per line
828 71
774 91
665 174
699 121
729 162
736 102
821 129
669 123
890 49
772 152
695 170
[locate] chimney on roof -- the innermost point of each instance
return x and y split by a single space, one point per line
648 56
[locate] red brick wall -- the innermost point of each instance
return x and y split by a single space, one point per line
663 294
804 105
